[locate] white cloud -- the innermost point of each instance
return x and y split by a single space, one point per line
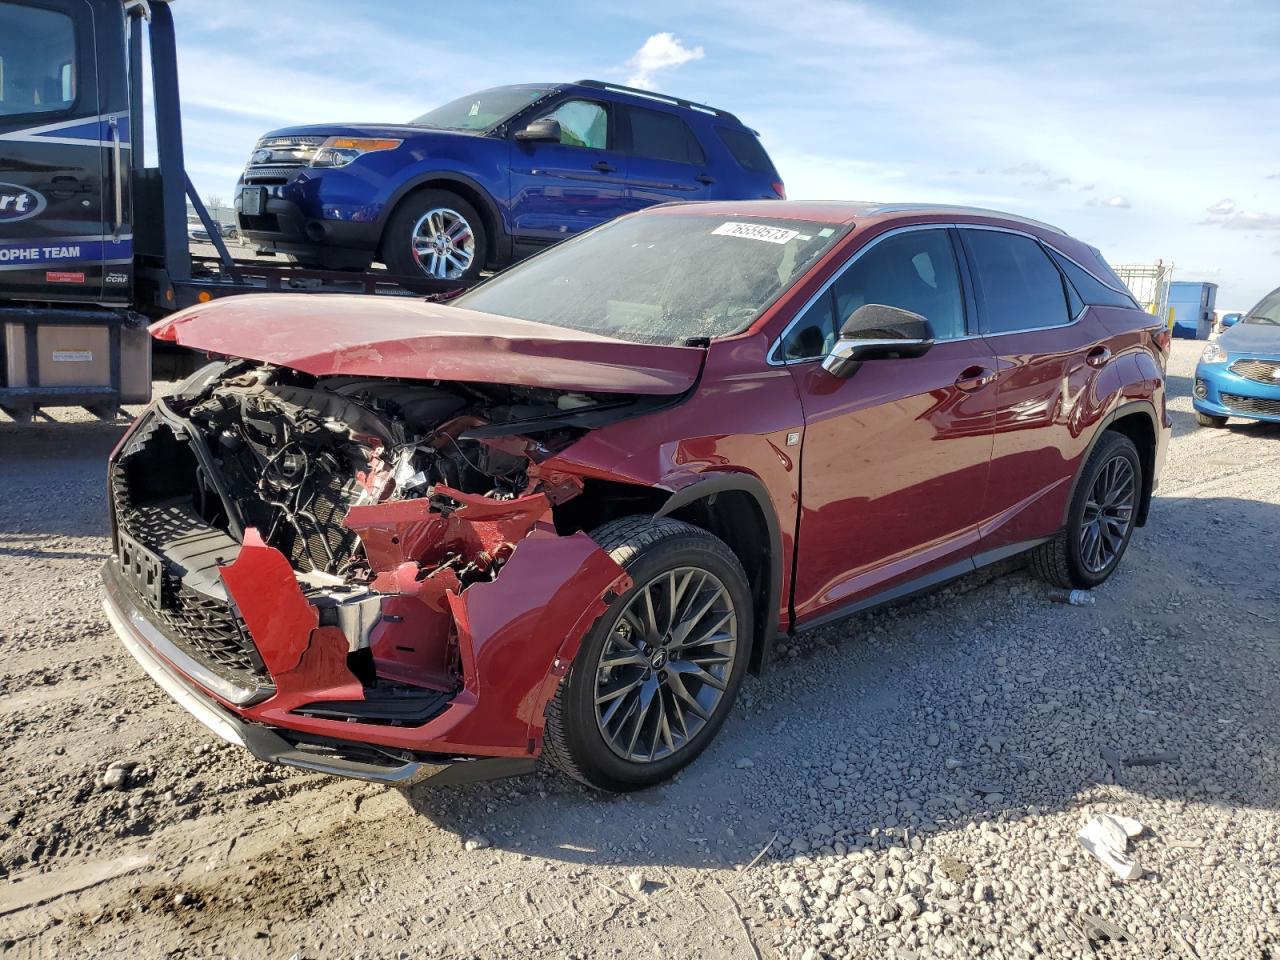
1227 213
662 51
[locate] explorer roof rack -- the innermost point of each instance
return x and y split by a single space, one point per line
660 97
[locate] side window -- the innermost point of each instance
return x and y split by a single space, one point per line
1019 286
37 60
814 334
1090 288
583 124
915 271
663 136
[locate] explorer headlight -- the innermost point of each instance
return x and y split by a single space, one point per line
339 151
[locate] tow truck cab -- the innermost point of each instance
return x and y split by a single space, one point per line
67 169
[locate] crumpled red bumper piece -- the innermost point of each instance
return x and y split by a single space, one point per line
306 661
516 635
527 624
412 531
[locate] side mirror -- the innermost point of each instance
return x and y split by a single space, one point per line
878 332
545 130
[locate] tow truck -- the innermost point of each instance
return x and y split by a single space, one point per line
94 243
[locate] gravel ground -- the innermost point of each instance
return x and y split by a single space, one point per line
905 784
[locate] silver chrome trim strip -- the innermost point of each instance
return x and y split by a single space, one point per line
776 347
200 708
945 208
143 629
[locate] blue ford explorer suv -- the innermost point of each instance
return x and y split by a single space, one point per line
490 177
1239 372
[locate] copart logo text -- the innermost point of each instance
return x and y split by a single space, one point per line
19 203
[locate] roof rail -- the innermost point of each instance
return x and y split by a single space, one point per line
956 208
660 97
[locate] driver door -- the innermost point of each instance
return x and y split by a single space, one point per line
895 457
558 189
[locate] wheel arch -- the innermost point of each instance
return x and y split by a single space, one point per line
737 509
1138 421
498 242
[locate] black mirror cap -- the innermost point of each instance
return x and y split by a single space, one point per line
545 130
878 332
876 321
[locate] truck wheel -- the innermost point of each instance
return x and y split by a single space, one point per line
1100 521
1210 420
657 675
435 234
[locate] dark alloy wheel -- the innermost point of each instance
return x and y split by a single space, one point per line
1100 520
434 235
1108 514
666 664
658 673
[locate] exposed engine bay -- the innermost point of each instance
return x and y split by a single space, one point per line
296 456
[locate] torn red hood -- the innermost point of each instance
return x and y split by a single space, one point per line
355 335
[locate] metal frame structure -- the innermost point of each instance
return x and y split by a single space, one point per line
1149 284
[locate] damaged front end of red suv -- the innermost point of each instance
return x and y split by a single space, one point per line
348 570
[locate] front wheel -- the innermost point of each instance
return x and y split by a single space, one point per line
1210 420
434 235
1101 519
657 675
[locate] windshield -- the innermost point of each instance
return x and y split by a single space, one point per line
663 279
483 110
1268 311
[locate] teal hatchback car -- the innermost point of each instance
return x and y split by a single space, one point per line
1239 372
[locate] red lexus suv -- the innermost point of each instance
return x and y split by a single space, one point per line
564 513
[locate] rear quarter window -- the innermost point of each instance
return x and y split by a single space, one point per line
1092 290
747 150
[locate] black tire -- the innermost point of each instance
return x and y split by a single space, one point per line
397 247
646 547
1061 560
1210 420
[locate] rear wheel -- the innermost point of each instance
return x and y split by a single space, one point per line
435 235
1210 420
1101 519
657 675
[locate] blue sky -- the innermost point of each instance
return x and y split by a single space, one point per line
1149 129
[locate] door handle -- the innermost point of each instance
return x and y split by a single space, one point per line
117 170
604 166
975 378
1098 356
704 179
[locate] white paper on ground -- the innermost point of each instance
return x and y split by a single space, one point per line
1107 838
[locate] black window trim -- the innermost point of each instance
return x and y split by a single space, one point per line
76 17
628 144
1126 293
776 356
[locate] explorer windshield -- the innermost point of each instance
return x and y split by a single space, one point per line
663 279
483 110
1268 311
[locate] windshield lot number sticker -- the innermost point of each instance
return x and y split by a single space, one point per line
756 231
